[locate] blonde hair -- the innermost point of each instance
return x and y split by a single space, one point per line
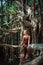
25 32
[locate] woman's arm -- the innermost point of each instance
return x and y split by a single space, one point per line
28 40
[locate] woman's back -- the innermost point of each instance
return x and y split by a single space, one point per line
25 39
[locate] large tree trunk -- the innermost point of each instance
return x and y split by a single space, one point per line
40 35
33 32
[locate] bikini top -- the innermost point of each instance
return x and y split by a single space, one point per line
25 40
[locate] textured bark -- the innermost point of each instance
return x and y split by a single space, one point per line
24 6
33 7
41 22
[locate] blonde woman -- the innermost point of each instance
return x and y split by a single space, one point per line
25 43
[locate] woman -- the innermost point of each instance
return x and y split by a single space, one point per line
25 43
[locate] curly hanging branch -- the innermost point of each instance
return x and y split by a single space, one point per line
33 20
